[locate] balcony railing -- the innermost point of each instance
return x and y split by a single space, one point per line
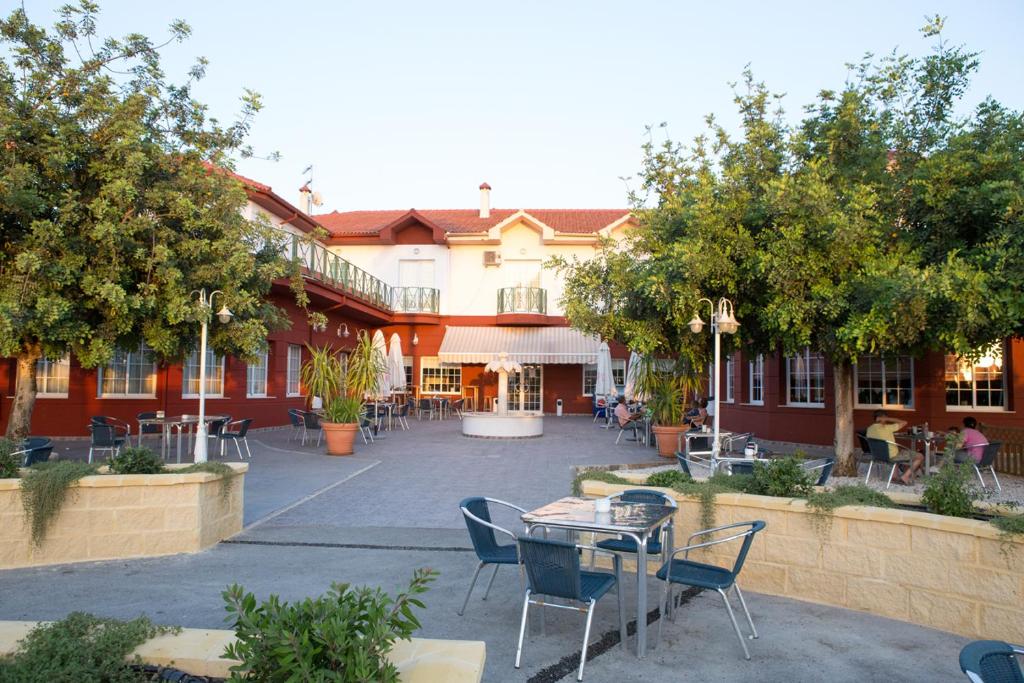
331 269
415 299
523 300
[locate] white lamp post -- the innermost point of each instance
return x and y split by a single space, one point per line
722 320
224 315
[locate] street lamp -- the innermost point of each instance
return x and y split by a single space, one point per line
224 316
722 320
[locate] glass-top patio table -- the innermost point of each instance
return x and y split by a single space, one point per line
632 520
171 422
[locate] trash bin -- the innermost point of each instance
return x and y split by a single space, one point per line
558 407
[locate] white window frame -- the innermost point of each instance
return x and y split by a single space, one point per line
730 380
996 351
755 369
249 368
432 363
192 360
885 402
619 371
589 368
129 357
806 355
45 376
407 367
293 374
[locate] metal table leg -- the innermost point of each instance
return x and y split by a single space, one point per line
641 598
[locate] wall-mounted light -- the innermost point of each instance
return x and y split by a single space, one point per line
415 339
343 330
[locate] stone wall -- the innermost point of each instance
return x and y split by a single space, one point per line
108 517
947 573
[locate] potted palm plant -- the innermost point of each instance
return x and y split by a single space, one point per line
668 391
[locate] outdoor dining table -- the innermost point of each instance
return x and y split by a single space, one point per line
637 521
181 423
929 438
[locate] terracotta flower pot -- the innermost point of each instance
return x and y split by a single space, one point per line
668 439
339 437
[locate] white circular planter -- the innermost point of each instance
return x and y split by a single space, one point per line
514 425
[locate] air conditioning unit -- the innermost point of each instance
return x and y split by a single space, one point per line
492 258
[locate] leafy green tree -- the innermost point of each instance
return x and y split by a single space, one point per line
114 206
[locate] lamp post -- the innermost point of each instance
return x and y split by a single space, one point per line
722 320
224 315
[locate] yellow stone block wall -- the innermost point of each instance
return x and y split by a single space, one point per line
952 574
118 516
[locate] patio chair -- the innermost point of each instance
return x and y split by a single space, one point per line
988 459
146 429
426 405
216 427
367 428
599 408
820 468
34 449
711 577
402 416
457 405
477 513
553 571
992 661
879 449
295 419
628 545
113 421
226 433
106 437
683 464
631 426
311 423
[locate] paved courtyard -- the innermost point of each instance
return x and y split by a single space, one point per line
373 517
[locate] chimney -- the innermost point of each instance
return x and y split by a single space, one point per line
485 200
306 199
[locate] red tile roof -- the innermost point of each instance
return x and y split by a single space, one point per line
579 221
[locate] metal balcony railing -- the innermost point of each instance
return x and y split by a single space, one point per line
329 268
415 299
523 300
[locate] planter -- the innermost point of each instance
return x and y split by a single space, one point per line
340 437
668 439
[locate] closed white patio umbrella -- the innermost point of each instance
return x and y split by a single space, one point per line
396 364
383 388
631 377
605 383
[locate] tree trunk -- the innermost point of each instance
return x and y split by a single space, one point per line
842 382
19 423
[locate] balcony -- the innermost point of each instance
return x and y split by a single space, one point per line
415 299
327 267
522 305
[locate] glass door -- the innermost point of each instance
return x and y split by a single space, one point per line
533 388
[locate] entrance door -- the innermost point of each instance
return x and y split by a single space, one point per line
534 388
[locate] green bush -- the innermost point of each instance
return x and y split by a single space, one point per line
784 478
951 491
44 489
80 647
136 460
841 496
343 635
343 410
595 475
668 478
9 464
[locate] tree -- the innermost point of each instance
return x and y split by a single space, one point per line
881 224
114 205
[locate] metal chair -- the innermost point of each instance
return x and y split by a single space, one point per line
988 459
879 449
402 416
553 570
456 406
631 426
425 405
295 419
216 427
688 573
477 513
105 437
34 449
599 407
642 497
226 433
683 464
367 427
992 661
145 429
311 423
820 468
113 421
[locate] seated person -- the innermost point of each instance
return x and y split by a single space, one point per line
973 441
696 415
622 413
885 428
708 410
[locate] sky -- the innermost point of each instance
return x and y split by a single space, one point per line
402 105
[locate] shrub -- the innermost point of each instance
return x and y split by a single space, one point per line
595 475
951 492
784 478
343 635
9 464
668 478
225 472
80 647
841 496
44 489
136 460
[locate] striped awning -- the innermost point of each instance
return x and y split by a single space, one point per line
561 345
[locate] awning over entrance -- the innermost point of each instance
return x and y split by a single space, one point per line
562 345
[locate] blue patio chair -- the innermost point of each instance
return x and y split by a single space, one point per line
689 573
311 423
402 415
880 453
426 405
631 426
820 469
553 571
742 468
34 449
684 465
105 437
295 419
367 427
148 429
235 432
643 497
992 661
599 408
122 425
988 459
477 513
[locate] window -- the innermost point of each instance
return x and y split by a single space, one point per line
730 380
805 379
885 382
52 377
214 375
439 379
977 385
256 378
407 364
757 380
589 378
294 367
619 371
129 374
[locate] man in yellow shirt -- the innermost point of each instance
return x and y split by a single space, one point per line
884 429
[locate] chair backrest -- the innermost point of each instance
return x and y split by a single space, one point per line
310 420
482 537
879 449
146 415
99 420
988 456
700 444
552 567
748 538
991 661
648 497
425 404
403 410
148 428
862 440
295 415
31 442
742 467
241 427
683 464
39 453
217 426
103 435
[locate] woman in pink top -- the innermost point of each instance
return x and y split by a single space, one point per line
974 442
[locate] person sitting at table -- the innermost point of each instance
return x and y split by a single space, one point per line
972 440
708 408
884 428
695 416
623 415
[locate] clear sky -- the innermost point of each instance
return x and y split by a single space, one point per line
414 104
